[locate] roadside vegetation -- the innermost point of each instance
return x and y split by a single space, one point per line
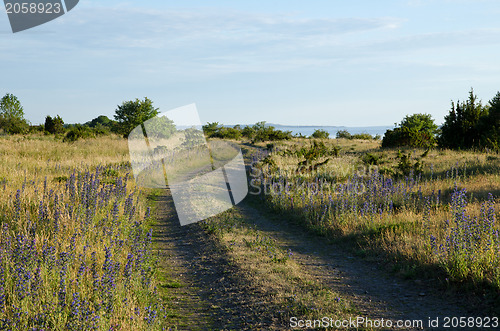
75 244
430 213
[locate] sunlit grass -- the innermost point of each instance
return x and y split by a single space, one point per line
405 219
75 250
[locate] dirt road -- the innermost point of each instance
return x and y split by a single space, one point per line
212 291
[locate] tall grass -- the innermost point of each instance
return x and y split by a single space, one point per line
75 249
421 219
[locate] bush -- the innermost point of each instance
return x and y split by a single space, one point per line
78 132
372 159
362 136
346 135
131 114
417 130
405 166
320 134
269 133
343 134
54 125
215 130
248 132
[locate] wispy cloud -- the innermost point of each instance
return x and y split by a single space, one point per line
203 40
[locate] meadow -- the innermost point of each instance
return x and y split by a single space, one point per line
424 213
77 250
75 245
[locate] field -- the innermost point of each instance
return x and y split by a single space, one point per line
75 248
425 210
331 227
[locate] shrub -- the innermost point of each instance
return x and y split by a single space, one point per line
215 130
417 130
346 135
54 125
269 133
343 134
78 132
362 136
321 134
372 159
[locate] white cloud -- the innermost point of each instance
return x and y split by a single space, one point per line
230 41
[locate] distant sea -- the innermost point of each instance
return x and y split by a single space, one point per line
332 130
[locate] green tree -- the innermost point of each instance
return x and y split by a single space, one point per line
320 134
130 114
54 125
12 115
343 134
417 130
462 126
248 132
269 133
490 124
160 127
211 129
101 120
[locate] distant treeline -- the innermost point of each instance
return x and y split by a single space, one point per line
469 124
262 132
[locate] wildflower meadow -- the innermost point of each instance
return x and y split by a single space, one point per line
438 218
75 249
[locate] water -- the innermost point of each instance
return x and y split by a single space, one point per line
332 130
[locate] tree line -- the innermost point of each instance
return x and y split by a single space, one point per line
469 124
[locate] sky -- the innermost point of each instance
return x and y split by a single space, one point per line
318 62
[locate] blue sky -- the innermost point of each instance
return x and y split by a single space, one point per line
320 62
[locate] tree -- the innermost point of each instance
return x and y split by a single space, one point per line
490 124
130 114
210 129
343 134
101 120
320 134
462 125
54 125
160 127
216 130
417 130
12 115
269 133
